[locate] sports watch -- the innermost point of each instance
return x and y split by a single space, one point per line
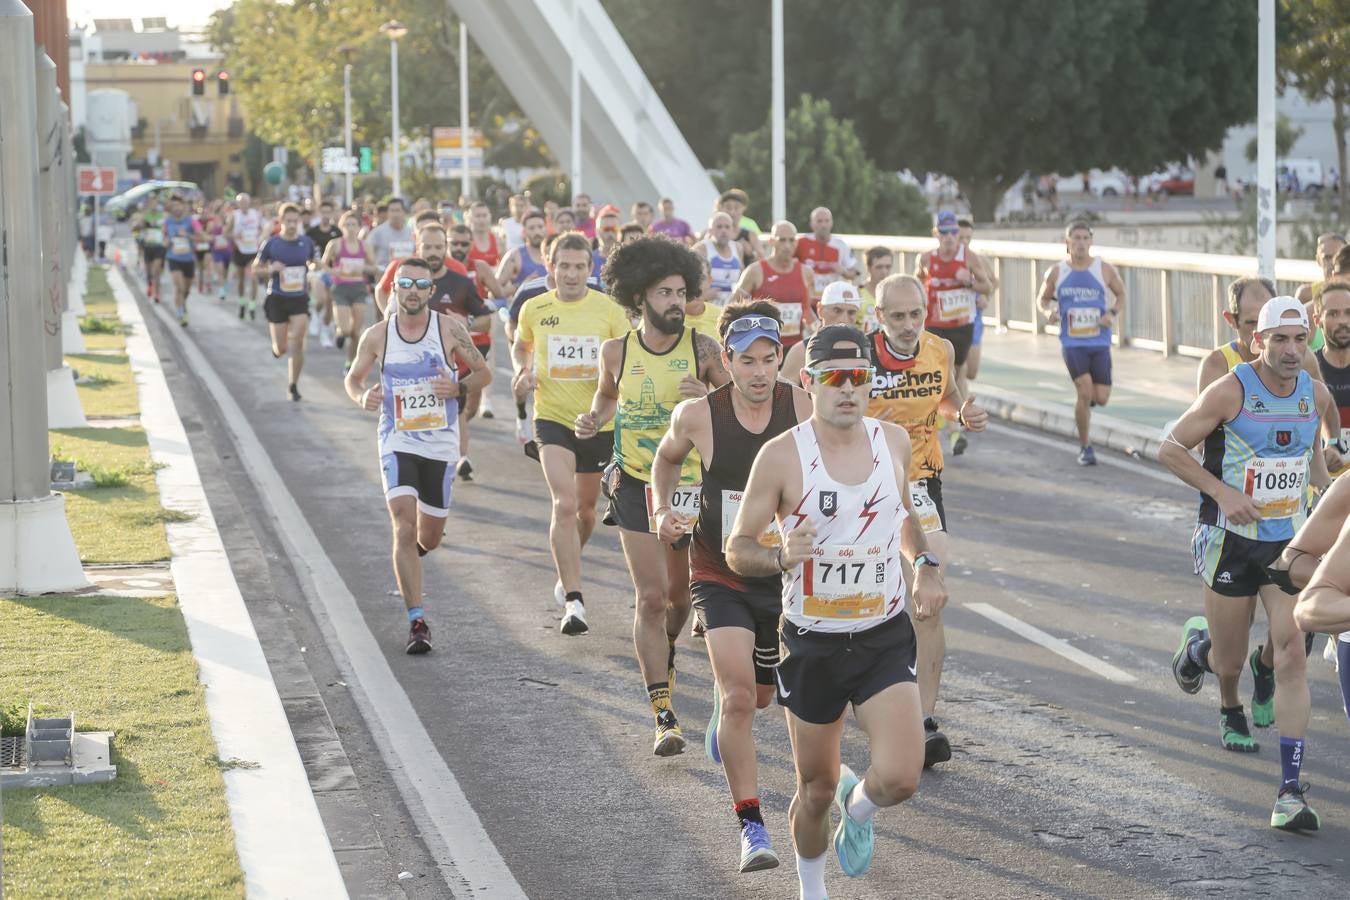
926 559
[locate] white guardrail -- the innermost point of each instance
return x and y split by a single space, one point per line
1173 302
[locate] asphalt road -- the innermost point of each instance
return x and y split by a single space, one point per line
1064 782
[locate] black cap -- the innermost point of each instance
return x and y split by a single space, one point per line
824 345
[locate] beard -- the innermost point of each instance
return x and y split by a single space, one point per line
672 322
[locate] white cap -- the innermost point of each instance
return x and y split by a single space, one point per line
840 292
1276 313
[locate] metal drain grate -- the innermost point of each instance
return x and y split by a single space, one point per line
12 753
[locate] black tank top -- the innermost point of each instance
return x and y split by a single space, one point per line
1338 382
734 452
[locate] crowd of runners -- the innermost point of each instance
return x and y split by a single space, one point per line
764 417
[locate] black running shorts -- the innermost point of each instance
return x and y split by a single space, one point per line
186 266
759 611
279 310
628 508
821 674
592 454
962 336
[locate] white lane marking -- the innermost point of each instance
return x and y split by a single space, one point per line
272 808
467 858
1067 446
1052 643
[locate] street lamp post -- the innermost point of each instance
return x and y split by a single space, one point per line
347 117
394 30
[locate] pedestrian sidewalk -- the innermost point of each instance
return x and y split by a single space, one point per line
1022 379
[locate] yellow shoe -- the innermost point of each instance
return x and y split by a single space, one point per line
669 738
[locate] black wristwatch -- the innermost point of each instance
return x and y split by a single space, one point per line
926 559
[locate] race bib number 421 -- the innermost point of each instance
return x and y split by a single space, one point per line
573 357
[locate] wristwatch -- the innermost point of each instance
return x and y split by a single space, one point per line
926 559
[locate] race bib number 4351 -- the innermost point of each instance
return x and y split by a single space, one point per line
844 581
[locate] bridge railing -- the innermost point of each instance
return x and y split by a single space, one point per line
1173 302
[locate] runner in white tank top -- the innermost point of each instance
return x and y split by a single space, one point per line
837 485
418 397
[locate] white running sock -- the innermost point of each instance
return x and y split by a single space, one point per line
811 876
859 806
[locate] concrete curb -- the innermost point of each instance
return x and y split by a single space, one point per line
1130 438
283 846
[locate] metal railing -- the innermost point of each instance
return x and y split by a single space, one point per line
1173 302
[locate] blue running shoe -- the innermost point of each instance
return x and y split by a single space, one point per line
853 841
710 736
756 850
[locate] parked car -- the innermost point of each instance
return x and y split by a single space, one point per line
1099 183
1177 182
130 200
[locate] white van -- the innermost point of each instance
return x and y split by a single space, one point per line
1300 174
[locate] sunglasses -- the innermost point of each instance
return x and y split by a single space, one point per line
836 377
460 243
423 283
750 323
949 231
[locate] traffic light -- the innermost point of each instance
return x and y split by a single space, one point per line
365 163
223 82
198 82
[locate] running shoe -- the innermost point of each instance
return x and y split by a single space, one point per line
314 325
252 311
221 295
523 431
669 737
340 341
1329 654
756 849
419 637
1292 812
853 841
1234 734
295 393
959 443
1189 676
574 619
464 470
936 747
1087 457
1263 691
710 736
485 407
243 309
559 595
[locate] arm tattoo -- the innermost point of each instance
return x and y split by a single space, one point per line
464 344
708 351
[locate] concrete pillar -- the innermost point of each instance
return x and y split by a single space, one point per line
37 554
72 339
63 403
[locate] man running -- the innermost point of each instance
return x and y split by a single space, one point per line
527 260
724 259
1331 308
955 276
643 214
740 615
829 258
914 385
880 265
393 238
581 215
782 278
1259 427
1328 245
967 234
672 227
839 305
1074 295
246 231
417 396
322 233
837 486
557 355
150 236
643 375
284 259
180 233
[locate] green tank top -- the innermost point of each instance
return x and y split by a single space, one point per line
649 388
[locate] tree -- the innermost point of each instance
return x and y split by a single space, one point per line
826 166
1286 135
1311 57
982 90
286 64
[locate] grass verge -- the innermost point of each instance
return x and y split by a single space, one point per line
113 391
163 827
122 520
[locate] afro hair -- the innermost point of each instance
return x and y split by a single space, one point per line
632 269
